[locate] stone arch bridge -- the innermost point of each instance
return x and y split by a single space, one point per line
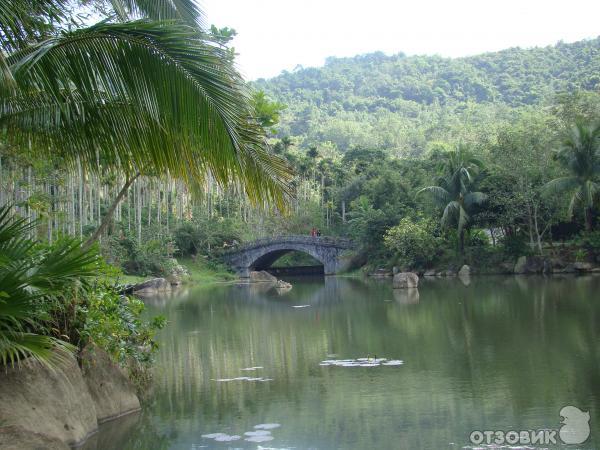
260 254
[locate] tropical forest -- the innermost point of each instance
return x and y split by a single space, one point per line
383 249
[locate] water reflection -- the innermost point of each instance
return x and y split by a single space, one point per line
496 353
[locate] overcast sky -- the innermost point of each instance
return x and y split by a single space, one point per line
276 35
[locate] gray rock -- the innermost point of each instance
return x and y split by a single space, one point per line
530 264
18 438
152 286
53 403
429 273
283 285
262 277
520 265
113 393
406 280
464 271
583 267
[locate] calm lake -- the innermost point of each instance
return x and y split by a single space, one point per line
495 353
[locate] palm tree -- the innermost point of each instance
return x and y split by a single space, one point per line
580 154
145 91
30 277
453 190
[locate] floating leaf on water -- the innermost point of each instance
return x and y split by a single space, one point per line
227 438
257 433
214 435
393 362
361 362
259 438
267 426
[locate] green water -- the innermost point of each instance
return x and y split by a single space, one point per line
493 354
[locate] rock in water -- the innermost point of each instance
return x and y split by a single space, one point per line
520 264
152 286
112 392
406 280
53 403
283 285
464 271
262 277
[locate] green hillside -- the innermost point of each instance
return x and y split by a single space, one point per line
408 103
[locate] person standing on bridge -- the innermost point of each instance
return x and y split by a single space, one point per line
313 232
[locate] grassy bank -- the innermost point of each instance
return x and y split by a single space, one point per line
200 272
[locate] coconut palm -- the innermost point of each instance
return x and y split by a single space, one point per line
580 155
152 95
30 277
453 190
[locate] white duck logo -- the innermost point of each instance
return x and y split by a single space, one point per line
576 427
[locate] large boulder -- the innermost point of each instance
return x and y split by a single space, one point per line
530 265
152 286
18 438
520 265
262 276
464 271
583 267
54 403
406 280
113 393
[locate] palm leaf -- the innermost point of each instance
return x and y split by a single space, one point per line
561 185
474 198
166 79
439 194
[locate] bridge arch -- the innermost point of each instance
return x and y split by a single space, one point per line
260 254
271 255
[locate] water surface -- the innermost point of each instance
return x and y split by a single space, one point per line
492 353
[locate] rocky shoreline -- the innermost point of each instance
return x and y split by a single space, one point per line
43 408
525 265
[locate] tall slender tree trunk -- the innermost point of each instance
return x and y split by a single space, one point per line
109 213
589 219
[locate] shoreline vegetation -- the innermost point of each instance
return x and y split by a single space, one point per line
149 101
133 146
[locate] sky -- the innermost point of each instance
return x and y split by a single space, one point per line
277 35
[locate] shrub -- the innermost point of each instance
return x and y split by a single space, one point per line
590 242
114 323
415 243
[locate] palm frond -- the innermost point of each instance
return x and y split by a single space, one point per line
438 193
183 10
22 21
168 80
451 210
474 198
561 185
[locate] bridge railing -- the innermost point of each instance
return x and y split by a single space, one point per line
296 239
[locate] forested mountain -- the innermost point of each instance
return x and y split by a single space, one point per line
408 103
